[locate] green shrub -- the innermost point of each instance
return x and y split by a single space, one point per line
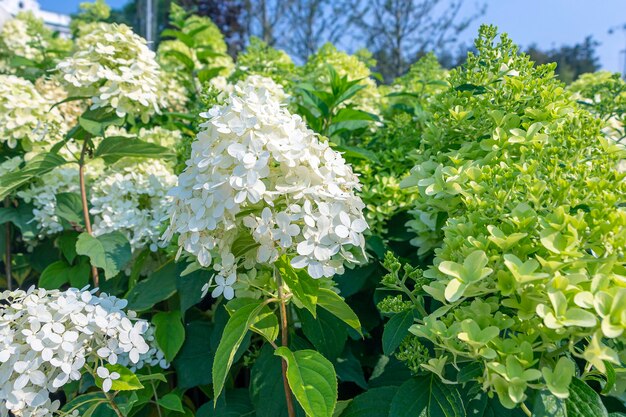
518 195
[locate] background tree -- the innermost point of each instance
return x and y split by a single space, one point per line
571 60
311 23
400 31
228 15
266 18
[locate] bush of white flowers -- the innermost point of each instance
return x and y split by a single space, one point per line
256 171
150 180
50 338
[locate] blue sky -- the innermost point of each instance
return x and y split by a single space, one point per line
547 23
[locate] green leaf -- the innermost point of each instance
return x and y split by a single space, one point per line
67 244
96 121
206 74
304 288
396 330
114 148
354 152
21 216
348 93
85 401
182 58
127 381
169 333
347 126
190 288
54 276
69 207
181 36
372 403
195 359
160 285
327 333
483 406
20 61
234 403
152 377
205 52
546 404
110 251
349 368
474 89
265 382
333 303
172 402
427 396
341 407
583 401
233 335
243 244
68 99
610 378
265 323
79 273
36 167
312 379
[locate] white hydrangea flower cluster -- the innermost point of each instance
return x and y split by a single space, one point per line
259 178
222 86
49 338
129 196
17 39
115 67
54 92
133 200
10 165
43 196
24 114
176 96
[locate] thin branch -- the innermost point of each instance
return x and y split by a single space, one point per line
113 405
284 332
83 196
7 248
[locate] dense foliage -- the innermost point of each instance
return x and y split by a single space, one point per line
188 234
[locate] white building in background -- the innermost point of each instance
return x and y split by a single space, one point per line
55 21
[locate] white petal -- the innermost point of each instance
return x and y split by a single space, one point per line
102 372
229 293
106 385
342 231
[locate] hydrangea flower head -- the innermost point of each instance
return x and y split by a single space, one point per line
133 200
24 114
259 184
48 337
17 39
27 36
115 67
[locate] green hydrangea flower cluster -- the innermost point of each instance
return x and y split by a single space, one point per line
406 105
261 59
517 192
604 94
381 192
